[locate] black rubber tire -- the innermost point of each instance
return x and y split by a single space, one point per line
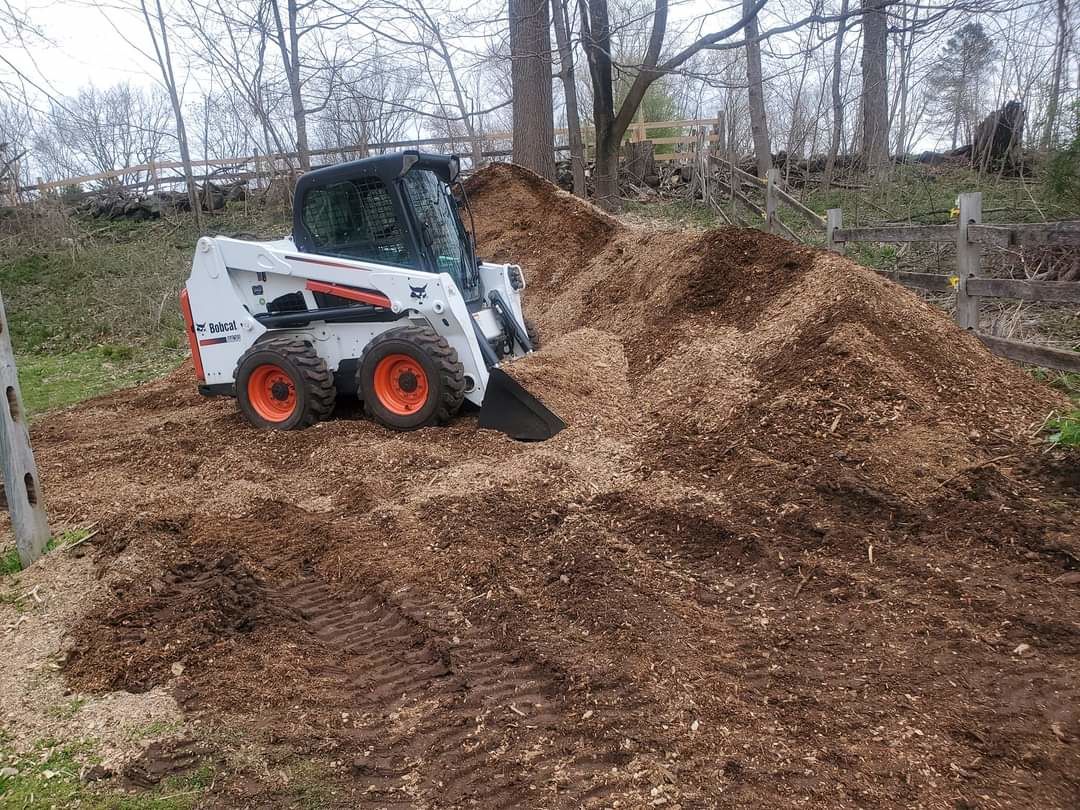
439 360
312 381
533 331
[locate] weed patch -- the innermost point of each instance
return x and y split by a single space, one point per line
9 563
56 380
1064 430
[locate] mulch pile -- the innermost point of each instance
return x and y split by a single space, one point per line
797 546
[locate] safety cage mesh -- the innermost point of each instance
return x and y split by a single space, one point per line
355 219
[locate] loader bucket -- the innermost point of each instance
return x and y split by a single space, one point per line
511 409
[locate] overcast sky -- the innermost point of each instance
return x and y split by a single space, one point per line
90 41
83 46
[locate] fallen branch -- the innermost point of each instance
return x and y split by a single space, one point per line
68 546
802 582
972 468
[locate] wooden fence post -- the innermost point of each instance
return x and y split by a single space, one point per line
21 484
772 178
719 146
834 221
968 255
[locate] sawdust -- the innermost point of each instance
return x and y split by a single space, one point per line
784 552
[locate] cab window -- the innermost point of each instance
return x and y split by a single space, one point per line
355 219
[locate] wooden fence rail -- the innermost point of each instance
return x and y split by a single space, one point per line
970 236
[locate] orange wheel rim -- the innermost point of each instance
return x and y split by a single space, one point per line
401 384
271 392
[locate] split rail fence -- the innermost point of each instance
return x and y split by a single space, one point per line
155 174
970 236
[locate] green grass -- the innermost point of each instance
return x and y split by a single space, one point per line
67 538
51 381
48 777
9 560
105 314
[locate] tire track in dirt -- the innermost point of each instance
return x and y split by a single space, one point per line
463 720
404 712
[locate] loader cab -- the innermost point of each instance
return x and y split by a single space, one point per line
395 209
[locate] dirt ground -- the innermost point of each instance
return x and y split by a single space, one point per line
800 545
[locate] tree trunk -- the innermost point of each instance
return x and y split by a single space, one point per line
606 169
569 82
596 38
907 46
837 99
875 104
759 126
164 60
530 77
290 59
1055 82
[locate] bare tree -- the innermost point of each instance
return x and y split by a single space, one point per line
288 42
1060 49
233 42
366 106
159 36
610 125
422 30
102 130
837 98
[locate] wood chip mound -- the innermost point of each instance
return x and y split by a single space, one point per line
796 546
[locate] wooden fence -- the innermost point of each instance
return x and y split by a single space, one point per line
970 237
251 167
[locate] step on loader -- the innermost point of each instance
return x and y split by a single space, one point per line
377 293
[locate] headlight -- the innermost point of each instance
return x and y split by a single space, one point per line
517 278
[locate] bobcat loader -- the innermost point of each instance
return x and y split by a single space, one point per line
378 293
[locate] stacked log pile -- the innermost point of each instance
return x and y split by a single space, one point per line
117 203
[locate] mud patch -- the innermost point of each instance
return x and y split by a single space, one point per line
163 627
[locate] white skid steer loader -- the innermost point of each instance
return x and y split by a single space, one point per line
379 293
